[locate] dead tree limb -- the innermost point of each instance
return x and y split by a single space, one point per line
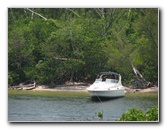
97 11
140 80
33 12
74 12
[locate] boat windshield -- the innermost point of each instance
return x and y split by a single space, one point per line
111 81
107 78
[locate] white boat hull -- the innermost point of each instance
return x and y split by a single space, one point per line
107 85
107 93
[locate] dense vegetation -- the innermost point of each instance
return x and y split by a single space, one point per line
135 114
75 44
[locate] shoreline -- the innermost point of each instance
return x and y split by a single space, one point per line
62 88
76 91
146 90
84 89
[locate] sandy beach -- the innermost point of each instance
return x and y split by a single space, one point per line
84 88
61 88
81 86
147 90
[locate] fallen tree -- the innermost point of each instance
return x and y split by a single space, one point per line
140 81
25 86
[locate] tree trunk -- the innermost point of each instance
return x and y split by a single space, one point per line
71 77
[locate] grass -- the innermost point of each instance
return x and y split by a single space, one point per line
49 93
75 94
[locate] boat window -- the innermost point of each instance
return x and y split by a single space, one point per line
107 78
108 81
111 81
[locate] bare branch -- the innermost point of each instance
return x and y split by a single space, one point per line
36 14
32 15
74 12
103 13
12 13
97 11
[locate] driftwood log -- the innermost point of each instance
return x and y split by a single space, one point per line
140 81
22 86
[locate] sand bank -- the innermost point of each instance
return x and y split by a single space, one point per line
84 88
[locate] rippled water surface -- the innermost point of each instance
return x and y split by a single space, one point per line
55 109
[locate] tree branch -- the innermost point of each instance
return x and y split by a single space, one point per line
36 13
98 12
74 12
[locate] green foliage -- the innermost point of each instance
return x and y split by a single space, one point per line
75 44
12 78
152 114
135 114
100 114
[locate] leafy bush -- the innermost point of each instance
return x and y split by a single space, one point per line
152 114
138 115
100 115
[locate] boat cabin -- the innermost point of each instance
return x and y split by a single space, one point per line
108 77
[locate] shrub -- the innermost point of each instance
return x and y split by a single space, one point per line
152 114
138 115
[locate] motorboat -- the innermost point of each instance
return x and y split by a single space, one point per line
107 85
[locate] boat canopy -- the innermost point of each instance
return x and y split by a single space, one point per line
109 73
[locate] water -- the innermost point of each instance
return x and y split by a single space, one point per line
55 109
